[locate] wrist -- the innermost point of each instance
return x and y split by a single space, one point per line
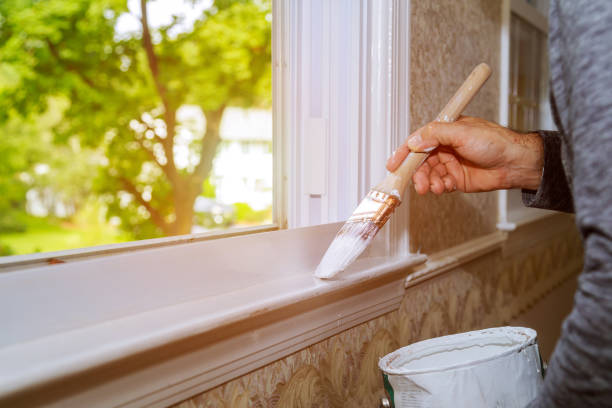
526 165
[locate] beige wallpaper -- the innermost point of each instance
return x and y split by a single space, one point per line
342 370
448 39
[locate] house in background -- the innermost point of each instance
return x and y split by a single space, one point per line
242 168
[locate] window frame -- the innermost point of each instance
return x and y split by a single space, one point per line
509 217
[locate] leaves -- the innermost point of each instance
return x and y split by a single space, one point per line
118 104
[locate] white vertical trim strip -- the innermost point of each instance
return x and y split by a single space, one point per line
353 73
504 94
399 223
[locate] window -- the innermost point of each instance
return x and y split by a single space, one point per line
193 290
524 102
527 45
117 127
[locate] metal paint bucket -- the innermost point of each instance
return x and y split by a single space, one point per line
498 367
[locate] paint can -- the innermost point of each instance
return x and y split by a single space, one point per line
499 367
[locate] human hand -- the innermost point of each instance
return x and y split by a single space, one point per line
472 155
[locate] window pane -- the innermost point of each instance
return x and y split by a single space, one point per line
526 54
116 127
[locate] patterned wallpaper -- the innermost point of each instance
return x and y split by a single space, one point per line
342 371
448 39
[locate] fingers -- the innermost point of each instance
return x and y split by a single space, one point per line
433 175
398 157
450 184
435 134
421 179
427 138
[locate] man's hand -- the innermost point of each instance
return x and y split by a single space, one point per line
472 155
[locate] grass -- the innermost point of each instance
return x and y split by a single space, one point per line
85 229
43 235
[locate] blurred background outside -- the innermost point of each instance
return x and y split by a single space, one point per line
115 127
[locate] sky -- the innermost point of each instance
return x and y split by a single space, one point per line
160 13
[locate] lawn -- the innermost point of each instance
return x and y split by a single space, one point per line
43 235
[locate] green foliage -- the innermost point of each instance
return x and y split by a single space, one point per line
209 190
6 250
247 216
50 234
121 95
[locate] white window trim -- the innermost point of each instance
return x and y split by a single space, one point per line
349 108
16 262
538 20
164 332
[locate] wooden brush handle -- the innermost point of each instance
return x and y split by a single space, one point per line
402 177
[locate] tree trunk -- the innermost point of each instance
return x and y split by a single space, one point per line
190 187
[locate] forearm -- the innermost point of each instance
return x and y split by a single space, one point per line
525 161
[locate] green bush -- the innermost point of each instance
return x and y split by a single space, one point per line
11 222
247 215
6 250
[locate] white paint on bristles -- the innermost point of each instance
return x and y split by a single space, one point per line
349 243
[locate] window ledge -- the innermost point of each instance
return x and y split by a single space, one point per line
159 325
15 262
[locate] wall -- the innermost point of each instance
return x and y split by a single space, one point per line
448 38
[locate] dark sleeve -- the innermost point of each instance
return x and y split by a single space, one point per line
554 192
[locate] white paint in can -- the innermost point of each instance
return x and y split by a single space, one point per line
498 367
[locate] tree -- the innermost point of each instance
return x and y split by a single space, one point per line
125 92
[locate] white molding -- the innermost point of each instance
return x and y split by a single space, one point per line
504 83
349 78
16 262
456 256
151 329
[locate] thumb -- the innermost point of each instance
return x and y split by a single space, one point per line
433 135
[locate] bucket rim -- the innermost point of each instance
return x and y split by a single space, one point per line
531 340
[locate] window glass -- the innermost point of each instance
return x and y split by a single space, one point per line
527 53
117 127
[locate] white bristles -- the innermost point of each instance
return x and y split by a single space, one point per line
349 243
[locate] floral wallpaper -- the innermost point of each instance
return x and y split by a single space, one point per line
342 371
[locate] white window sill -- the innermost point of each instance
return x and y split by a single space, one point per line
162 324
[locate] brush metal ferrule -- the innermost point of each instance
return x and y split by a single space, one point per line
376 207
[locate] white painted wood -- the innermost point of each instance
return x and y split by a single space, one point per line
15 262
504 95
194 318
350 72
314 152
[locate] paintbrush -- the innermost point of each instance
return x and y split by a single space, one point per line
376 208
